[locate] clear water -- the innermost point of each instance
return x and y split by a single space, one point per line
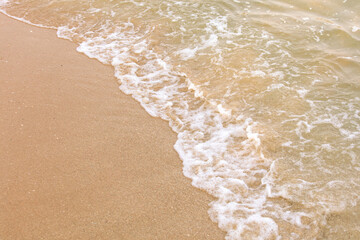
264 96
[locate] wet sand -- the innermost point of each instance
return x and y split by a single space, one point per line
78 158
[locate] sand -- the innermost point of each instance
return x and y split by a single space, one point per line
78 158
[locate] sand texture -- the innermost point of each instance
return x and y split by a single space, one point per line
78 158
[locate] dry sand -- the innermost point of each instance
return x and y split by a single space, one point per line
78 158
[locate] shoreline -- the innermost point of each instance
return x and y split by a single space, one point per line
80 159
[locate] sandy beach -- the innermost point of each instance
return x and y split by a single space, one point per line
78 158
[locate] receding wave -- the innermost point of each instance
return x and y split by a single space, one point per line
264 97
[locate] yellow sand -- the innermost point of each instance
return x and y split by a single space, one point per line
78 158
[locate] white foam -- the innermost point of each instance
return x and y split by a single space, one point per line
187 53
355 29
302 92
221 149
3 2
258 73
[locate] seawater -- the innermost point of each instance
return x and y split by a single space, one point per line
263 94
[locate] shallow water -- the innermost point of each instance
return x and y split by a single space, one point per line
264 96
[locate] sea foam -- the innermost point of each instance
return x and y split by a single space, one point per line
252 122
